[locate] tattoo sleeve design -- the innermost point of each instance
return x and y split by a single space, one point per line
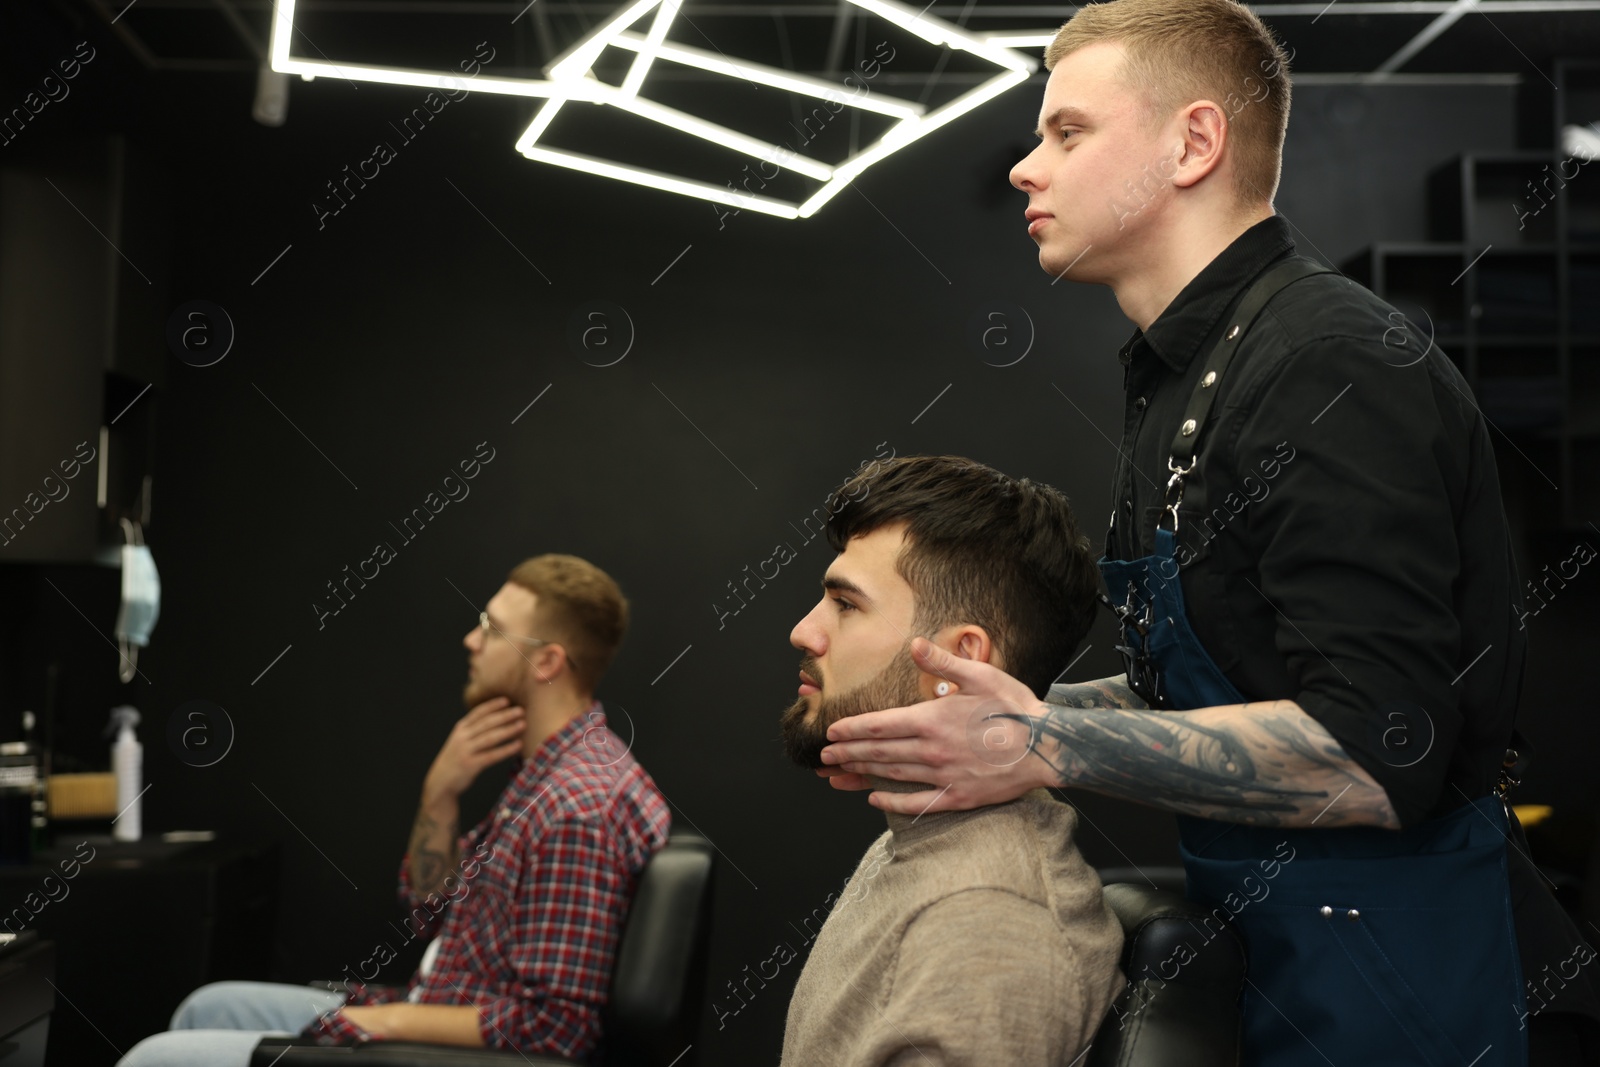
1100 693
1268 764
432 854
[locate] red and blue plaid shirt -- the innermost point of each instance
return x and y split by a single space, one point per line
529 928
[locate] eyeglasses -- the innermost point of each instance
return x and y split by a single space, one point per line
490 629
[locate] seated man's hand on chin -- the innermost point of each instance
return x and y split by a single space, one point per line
974 744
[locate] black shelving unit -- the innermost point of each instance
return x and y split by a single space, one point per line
1508 285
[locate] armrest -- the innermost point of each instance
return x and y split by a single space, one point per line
308 1053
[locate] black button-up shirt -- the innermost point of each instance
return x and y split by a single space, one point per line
1342 541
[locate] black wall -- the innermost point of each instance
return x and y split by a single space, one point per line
771 359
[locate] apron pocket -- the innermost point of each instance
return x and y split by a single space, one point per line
1332 988
1363 941
1424 972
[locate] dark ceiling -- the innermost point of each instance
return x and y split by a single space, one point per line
216 47
1517 37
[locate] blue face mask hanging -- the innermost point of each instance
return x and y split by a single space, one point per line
141 600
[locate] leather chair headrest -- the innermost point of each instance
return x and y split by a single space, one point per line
1174 939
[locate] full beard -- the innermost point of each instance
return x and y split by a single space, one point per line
805 736
478 689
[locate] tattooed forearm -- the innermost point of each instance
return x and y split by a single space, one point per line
434 849
1100 693
1267 764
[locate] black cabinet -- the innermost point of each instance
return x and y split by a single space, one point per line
27 972
137 927
85 239
1509 287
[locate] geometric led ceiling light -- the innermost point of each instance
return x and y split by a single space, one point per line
643 45
574 68
283 31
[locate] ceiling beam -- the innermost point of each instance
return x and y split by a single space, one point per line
547 38
146 58
1425 36
246 33
1043 12
840 36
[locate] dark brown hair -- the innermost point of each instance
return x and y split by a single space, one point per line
579 607
981 548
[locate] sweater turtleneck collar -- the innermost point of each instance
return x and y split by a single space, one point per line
918 822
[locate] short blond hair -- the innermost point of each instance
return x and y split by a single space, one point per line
1179 51
581 608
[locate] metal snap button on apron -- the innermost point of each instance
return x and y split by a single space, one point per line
1326 911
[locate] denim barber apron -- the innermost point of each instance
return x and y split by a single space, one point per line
1365 947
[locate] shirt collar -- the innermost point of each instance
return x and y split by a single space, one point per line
557 744
1183 326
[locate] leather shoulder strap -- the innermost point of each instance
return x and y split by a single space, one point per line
1243 315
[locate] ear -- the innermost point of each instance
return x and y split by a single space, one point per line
972 642
549 662
1203 131
967 641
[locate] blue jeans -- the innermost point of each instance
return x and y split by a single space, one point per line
219 1024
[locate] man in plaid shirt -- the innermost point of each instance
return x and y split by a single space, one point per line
525 910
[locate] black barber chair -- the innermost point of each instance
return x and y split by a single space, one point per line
658 984
1181 1007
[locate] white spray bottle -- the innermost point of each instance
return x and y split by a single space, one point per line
127 759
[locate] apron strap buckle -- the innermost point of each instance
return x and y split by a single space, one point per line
1510 773
1174 495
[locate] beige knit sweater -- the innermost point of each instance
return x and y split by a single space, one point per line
972 937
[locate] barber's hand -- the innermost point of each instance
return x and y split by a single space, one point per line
483 737
966 744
